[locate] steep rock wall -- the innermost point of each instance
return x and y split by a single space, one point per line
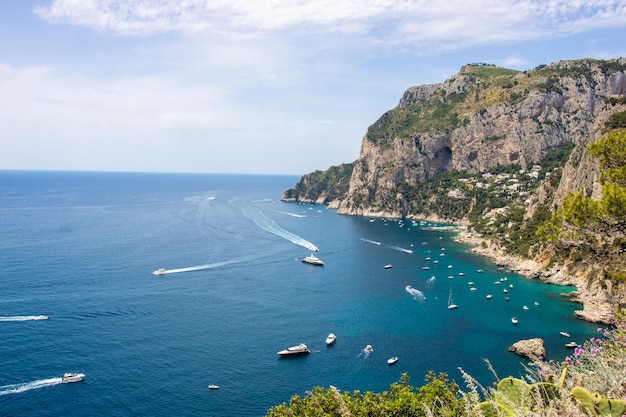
565 109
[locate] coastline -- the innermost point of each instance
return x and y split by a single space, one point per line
595 300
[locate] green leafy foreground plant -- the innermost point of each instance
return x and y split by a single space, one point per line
439 396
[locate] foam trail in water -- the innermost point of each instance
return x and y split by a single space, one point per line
269 226
415 293
370 241
401 249
201 267
22 318
292 214
17 388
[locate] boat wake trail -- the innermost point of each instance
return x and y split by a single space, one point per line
431 281
17 388
401 249
22 318
269 226
415 293
398 248
292 214
371 241
201 267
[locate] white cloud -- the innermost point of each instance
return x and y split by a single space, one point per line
435 24
191 84
125 101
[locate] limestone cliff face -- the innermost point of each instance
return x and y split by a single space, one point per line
481 118
581 172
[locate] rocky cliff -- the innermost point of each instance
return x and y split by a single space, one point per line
470 129
481 118
486 118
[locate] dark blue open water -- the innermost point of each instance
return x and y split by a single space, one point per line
81 248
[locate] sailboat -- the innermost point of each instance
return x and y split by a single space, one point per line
451 305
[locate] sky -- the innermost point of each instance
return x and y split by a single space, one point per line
258 87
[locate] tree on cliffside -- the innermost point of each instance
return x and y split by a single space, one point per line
596 225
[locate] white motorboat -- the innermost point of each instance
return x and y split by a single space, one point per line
300 349
313 260
489 296
213 386
514 320
369 348
565 334
160 271
571 345
392 360
330 339
388 266
72 377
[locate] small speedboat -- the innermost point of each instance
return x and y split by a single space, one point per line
392 360
514 320
388 266
489 296
72 377
213 386
571 345
160 271
330 339
369 348
565 334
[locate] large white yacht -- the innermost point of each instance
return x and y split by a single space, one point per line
301 349
313 260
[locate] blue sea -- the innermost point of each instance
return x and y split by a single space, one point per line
80 249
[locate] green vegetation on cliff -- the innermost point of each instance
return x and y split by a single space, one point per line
332 183
476 88
585 227
444 111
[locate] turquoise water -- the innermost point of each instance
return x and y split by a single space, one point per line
80 248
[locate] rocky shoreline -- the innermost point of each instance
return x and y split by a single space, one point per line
597 307
597 304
